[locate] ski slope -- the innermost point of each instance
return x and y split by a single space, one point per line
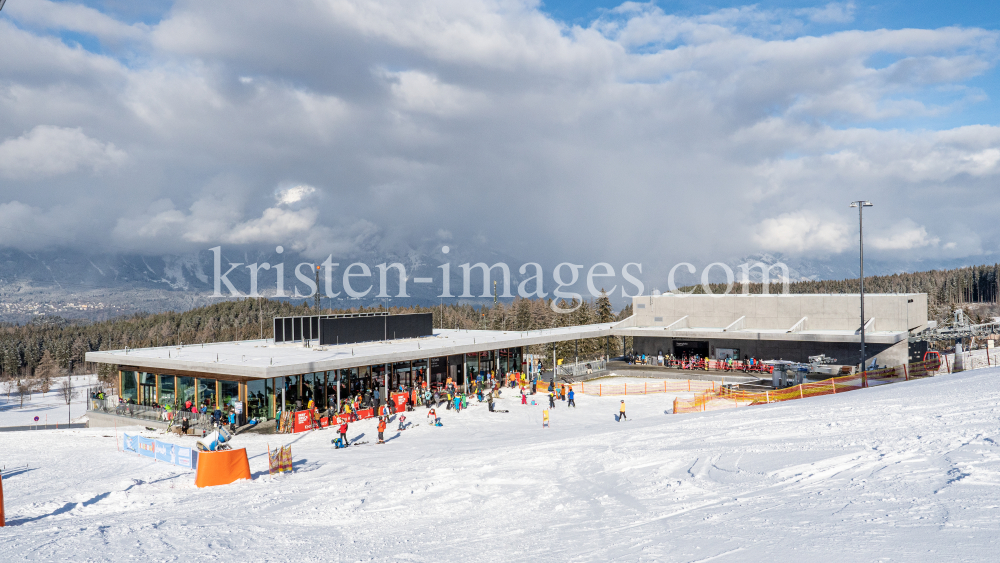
49 406
906 472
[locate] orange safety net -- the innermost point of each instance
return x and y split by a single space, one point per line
222 468
725 398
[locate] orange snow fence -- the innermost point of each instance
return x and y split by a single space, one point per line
726 398
222 468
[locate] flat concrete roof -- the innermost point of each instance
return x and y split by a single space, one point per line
258 359
705 333
264 359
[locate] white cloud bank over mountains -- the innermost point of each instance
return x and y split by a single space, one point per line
334 125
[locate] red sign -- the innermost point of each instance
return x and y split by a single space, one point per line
400 400
324 422
303 421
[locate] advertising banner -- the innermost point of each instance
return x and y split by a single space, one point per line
185 457
303 421
132 444
164 451
324 422
400 400
147 447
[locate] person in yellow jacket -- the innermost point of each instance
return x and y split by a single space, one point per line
621 411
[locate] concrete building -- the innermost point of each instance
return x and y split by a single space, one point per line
311 359
789 327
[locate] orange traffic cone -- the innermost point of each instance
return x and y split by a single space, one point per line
3 522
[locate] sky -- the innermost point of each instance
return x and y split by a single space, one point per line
551 131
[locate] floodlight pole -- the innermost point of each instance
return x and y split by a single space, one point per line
861 204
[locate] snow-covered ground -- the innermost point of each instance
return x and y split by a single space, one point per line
905 472
49 406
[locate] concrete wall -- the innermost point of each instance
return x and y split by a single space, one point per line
794 351
823 312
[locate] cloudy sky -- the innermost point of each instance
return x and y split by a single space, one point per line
586 131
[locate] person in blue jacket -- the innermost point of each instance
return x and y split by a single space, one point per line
569 397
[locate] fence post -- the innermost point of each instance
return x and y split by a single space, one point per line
689 384
599 386
833 382
767 396
946 364
906 374
864 379
800 391
644 384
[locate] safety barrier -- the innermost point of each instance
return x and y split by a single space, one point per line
725 397
646 388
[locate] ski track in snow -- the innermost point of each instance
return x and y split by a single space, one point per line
905 472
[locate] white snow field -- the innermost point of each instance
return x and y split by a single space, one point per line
905 472
49 406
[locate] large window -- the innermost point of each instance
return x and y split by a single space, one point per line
260 392
229 392
167 395
290 384
206 393
129 388
147 389
185 392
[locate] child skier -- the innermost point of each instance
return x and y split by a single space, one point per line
381 429
569 396
621 411
402 421
552 400
343 434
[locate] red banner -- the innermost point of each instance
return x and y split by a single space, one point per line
400 400
324 422
303 421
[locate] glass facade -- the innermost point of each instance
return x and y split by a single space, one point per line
167 395
147 389
185 392
128 390
206 394
260 397
290 385
229 392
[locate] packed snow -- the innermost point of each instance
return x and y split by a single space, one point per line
904 472
50 406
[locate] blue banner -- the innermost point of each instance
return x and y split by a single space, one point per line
165 452
185 458
162 451
147 447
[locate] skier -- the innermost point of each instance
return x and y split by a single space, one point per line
621 411
402 421
569 396
458 404
381 429
343 434
552 400
432 415
524 398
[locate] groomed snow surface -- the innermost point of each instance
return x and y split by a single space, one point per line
905 472
50 407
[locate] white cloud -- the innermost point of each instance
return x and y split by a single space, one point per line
802 231
47 151
294 194
476 116
905 237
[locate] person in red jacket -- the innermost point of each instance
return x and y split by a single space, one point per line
381 429
343 434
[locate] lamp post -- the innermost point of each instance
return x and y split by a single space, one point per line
861 205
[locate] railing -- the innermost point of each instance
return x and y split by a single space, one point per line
111 405
582 368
